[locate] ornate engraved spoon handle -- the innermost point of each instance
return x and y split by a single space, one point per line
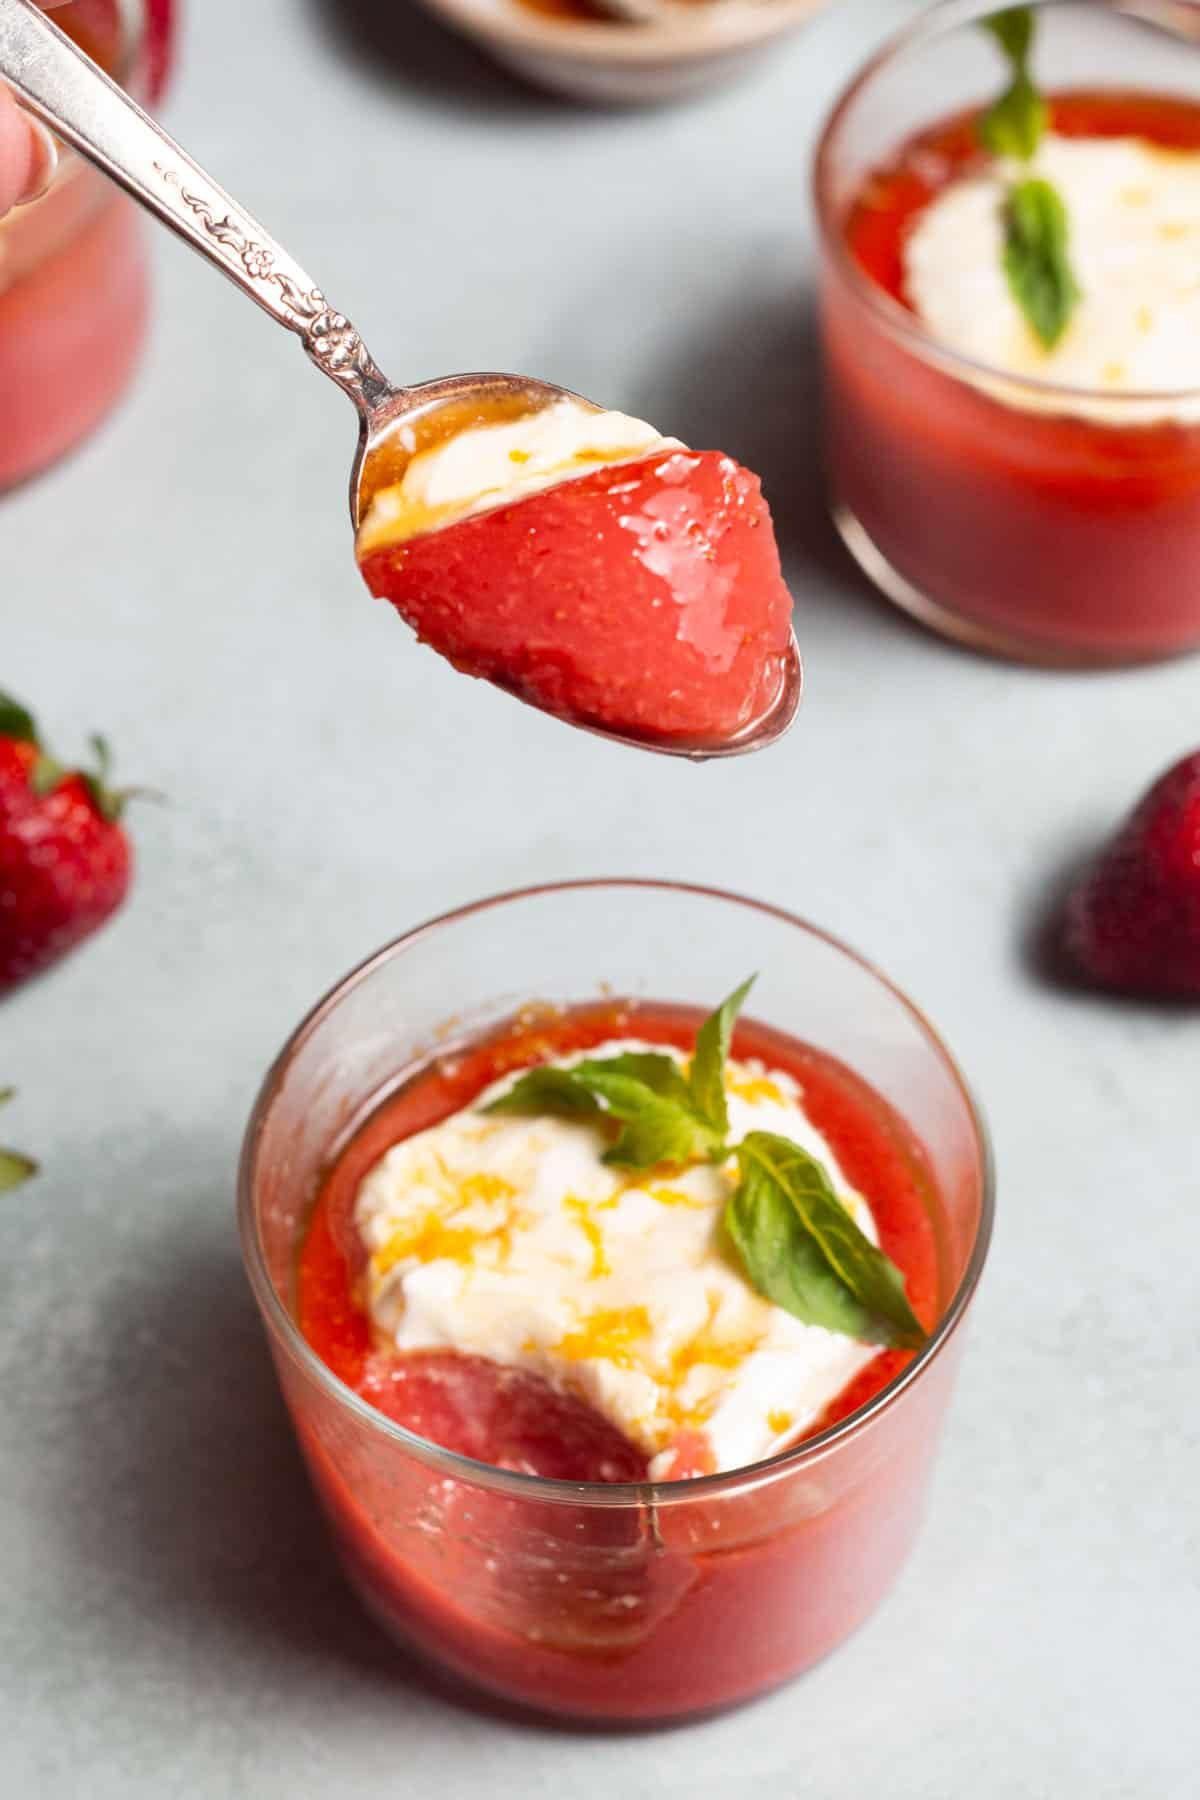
63 88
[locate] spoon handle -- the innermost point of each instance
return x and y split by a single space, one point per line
63 88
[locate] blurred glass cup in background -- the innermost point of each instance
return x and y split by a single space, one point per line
1042 522
73 278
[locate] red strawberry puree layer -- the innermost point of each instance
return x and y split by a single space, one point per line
592 1611
645 597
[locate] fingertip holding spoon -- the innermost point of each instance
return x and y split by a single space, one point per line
63 89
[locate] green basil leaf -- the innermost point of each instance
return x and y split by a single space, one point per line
1036 258
16 721
707 1078
803 1251
643 1093
783 1262
1013 31
662 1117
563 1092
1016 124
556 1093
654 1129
14 1169
661 1074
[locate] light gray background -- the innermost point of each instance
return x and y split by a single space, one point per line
170 1622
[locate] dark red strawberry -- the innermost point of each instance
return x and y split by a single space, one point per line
1133 922
14 1168
65 861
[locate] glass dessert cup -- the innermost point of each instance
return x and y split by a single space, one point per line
634 1602
1050 524
73 276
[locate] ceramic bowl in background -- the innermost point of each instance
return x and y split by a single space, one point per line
693 47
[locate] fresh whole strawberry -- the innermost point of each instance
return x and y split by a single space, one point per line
65 861
1133 922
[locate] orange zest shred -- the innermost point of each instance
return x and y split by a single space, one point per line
669 1196
611 1334
581 1212
433 1236
754 1088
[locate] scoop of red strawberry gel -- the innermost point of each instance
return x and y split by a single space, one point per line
1134 920
645 597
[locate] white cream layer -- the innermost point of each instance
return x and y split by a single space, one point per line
1134 213
493 465
509 1238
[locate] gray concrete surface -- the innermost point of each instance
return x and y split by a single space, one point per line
170 1622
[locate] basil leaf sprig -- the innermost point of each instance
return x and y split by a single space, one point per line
798 1243
663 1116
1016 123
1036 226
1035 258
14 1168
803 1250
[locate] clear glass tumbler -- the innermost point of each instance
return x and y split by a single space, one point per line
1048 523
636 1602
73 278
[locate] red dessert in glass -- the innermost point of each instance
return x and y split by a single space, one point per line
73 282
500 1525
1051 523
872 1150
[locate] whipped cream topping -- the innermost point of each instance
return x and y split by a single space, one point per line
492 465
509 1238
1134 213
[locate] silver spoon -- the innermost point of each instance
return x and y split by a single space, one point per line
63 88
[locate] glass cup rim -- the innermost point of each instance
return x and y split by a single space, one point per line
544 1488
935 22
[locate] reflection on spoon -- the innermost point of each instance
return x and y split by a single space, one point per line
639 598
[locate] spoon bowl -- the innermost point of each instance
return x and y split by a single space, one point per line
393 424
63 88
